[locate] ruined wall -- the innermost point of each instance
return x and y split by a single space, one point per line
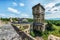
23 27
24 36
52 37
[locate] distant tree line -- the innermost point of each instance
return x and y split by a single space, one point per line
5 19
30 20
55 22
15 19
8 19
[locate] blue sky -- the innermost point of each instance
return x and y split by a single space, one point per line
23 8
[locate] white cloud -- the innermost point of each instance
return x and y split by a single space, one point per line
24 15
14 4
7 15
53 15
13 10
53 11
21 4
49 6
2 15
12 15
57 1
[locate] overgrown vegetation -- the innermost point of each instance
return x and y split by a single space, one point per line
30 20
4 19
52 27
32 33
55 22
8 19
15 19
36 33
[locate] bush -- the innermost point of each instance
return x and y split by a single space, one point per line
38 33
32 34
30 20
46 32
49 27
57 24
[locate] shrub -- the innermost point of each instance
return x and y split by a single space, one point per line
38 33
32 33
49 27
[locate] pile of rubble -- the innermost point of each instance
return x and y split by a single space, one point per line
7 32
52 37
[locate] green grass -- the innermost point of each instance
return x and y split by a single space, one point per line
21 28
32 34
55 32
45 37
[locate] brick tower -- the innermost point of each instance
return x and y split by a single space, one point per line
38 17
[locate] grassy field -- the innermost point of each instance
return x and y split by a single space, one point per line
56 32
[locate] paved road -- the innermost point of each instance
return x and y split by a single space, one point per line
7 32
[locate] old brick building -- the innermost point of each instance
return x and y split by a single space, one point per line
38 17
